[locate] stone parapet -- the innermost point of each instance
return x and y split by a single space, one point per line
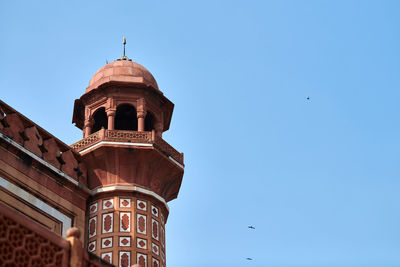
130 137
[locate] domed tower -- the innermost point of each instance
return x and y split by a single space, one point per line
132 171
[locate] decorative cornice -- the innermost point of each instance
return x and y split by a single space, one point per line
45 163
129 188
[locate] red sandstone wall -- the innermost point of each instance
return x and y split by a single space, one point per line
41 168
127 229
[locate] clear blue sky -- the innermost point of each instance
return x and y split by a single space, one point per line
318 178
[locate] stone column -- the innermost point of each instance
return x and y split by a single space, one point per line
88 127
141 116
141 113
111 118
159 128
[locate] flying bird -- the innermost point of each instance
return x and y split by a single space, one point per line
249 259
308 98
251 227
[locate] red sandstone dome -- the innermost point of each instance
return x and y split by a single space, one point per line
125 71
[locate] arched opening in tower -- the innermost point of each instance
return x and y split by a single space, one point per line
100 120
149 122
126 118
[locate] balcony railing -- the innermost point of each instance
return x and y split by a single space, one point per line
131 137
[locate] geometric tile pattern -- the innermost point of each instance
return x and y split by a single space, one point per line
124 258
154 210
141 223
155 249
162 237
125 202
93 208
108 204
141 259
107 223
92 246
92 227
125 222
20 246
156 263
107 256
154 227
125 230
141 243
141 205
106 242
124 241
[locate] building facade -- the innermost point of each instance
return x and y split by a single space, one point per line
114 184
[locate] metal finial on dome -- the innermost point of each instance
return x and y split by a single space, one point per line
124 42
124 57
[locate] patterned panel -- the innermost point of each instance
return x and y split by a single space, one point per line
86 141
163 257
124 258
141 205
93 208
162 219
141 243
154 229
162 236
108 219
125 222
154 211
107 256
141 224
124 241
92 246
124 202
107 242
108 204
155 249
21 245
169 150
141 259
156 263
92 227
121 135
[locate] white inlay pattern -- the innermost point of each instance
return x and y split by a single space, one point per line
141 224
155 249
92 246
156 263
125 258
162 237
107 257
93 208
163 256
125 202
154 211
125 222
92 227
141 205
108 204
107 242
108 221
162 219
124 241
141 243
141 259
155 233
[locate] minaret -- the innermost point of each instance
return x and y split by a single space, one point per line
132 171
